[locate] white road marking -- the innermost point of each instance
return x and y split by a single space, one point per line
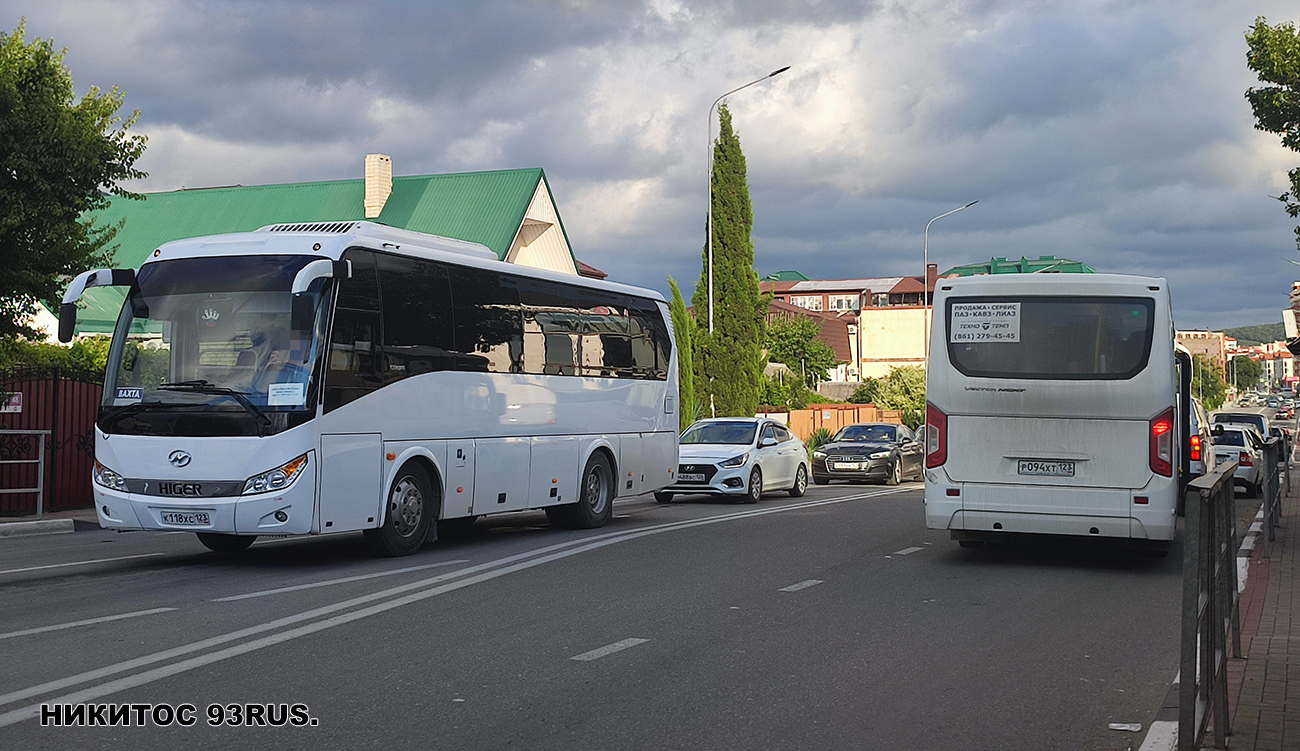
608 649
80 563
1162 736
801 585
88 622
331 582
436 585
907 551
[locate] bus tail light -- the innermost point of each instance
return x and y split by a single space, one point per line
1243 458
1196 448
1162 443
936 436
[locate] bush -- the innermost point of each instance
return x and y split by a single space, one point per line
89 354
820 437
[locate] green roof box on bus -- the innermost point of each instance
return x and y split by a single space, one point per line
1040 265
511 212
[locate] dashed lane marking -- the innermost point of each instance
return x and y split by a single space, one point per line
801 585
331 582
608 649
80 563
87 622
907 551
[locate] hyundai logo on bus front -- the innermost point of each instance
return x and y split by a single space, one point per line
179 458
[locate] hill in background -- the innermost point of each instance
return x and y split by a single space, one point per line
1249 336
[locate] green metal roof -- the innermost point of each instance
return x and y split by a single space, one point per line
786 276
1044 264
482 207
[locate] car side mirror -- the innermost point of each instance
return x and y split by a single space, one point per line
766 442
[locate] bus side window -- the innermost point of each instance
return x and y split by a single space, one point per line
651 349
489 332
351 372
417 317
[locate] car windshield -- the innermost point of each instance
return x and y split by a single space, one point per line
214 346
866 434
733 433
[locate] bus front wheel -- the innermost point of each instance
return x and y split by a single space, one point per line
408 516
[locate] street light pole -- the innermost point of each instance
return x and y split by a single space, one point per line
925 277
709 144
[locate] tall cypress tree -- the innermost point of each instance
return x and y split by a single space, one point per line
684 333
729 363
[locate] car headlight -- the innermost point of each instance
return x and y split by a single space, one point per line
735 461
819 454
108 478
276 479
880 455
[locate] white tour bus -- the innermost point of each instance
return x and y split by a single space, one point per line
1051 408
332 377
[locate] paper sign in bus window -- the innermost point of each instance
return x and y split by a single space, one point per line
974 322
286 394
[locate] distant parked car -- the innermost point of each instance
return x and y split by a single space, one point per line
740 457
1256 420
870 451
1243 445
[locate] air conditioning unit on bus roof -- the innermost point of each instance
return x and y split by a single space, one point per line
384 233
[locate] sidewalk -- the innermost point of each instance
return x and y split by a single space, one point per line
51 523
1264 687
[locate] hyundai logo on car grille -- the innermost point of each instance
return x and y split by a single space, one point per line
179 458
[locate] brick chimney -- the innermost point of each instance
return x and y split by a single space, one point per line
379 183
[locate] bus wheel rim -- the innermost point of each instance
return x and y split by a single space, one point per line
406 506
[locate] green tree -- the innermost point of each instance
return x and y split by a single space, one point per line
684 333
903 389
729 363
59 158
1207 382
794 341
1273 53
1245 372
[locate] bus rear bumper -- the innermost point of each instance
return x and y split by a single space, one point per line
1106 513
287 512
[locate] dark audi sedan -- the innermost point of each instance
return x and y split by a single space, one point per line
871 451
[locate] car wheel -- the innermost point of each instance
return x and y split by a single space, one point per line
755 486
664 497
409 517
895 473
225 543
800 483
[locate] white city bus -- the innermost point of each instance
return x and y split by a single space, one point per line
333 377
1051 408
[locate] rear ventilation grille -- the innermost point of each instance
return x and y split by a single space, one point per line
338 228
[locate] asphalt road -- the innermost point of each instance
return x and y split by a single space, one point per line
832 621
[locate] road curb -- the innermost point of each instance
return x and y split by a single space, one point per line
31 529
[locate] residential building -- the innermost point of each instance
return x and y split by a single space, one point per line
834 331
1040 265
512 212
1211 345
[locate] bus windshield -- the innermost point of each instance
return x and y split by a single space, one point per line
1058 338
214 346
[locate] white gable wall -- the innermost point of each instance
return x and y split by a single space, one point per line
540 243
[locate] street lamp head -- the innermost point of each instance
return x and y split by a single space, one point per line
778 72
972 203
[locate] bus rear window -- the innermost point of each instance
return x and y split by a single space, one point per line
1053 338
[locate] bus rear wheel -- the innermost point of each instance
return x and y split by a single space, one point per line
408 516
225 543
595 504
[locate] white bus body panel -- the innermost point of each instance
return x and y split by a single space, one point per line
1101 425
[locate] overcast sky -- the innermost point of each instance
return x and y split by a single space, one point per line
1114 133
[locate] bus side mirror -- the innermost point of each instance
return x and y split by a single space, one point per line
80 283
321 269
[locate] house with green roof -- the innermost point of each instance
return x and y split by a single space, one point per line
511 212
1040 265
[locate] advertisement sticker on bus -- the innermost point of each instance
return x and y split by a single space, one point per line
985 322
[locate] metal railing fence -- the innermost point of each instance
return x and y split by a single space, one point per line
24 437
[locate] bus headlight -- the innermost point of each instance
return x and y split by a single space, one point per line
108 478
735 461
277 479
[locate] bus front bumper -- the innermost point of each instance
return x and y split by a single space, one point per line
287 511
